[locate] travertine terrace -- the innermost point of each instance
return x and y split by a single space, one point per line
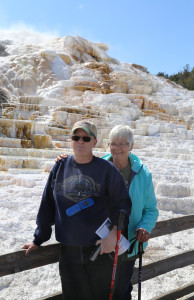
46 87
46 84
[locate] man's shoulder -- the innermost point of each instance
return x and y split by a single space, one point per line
106 165
62 162
103 161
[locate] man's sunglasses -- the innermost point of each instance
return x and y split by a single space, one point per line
76 138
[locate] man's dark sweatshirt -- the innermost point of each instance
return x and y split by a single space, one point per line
68 184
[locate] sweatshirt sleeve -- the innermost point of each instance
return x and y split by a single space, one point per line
150 211
46 214
118 197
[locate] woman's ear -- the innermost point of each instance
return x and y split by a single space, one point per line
131 148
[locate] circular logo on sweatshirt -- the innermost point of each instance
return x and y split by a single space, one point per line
77 188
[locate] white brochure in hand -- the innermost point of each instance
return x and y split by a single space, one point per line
103 232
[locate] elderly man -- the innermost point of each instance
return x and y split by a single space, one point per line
82 191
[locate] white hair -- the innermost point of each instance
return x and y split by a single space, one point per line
122 131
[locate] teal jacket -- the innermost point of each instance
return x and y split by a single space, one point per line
144 211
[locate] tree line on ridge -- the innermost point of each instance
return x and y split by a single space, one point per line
185 78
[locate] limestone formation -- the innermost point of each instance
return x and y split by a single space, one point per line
47 87
3 51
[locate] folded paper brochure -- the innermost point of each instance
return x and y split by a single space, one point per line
103 232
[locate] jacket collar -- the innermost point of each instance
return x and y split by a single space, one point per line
136 163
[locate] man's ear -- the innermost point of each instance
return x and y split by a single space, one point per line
95 142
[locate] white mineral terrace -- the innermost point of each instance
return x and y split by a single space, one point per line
49 85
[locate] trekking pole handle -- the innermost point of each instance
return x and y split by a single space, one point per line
140 248
121 219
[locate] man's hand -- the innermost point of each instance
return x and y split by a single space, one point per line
142 235
30 247
108 244
61 156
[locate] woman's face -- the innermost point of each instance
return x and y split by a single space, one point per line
119 148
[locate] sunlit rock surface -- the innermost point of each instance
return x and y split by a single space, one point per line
46 85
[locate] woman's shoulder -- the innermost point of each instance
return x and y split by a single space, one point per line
138 165
106 157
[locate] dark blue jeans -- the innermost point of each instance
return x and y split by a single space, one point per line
123 286
83 279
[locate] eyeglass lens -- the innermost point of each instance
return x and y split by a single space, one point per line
118 145
76 138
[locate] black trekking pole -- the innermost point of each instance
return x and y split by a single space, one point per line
140 253
119 229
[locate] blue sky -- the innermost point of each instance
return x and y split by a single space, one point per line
157 34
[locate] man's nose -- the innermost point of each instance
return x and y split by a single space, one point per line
81 140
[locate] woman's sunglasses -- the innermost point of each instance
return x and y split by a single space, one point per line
76 138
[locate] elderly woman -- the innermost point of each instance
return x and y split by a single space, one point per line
144 206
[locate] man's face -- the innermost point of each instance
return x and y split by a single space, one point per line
81 148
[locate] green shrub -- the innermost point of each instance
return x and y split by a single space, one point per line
185 78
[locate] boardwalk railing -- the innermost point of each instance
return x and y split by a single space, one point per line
17 262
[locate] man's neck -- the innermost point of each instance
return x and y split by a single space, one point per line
83 159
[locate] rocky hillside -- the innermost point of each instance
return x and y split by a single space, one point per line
45 86
48 84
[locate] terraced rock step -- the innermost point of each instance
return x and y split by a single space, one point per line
45 89
35 129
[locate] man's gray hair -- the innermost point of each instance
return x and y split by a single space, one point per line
122 131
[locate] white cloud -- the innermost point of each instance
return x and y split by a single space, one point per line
26 33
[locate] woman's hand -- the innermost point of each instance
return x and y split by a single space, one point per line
142 235
108 244
30 247
61 156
